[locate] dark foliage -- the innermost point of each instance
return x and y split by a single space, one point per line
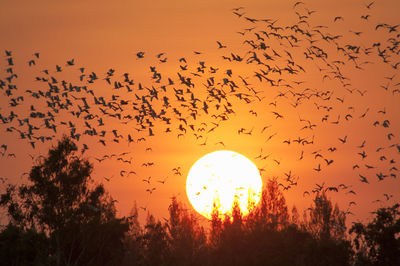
19 247
266 236
75 217
378 242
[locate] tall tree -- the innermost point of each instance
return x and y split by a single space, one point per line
187 239
324 220
155 246
272 209
62 201
134 253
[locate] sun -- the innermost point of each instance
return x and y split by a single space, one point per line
223 177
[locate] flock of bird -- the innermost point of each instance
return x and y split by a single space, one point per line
196 101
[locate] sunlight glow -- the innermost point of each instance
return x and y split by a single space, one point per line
222 177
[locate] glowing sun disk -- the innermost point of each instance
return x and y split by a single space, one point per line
223 177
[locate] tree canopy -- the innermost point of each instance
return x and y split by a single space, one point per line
62 203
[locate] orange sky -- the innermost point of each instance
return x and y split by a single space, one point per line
101 35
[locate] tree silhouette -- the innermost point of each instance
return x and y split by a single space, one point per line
325 221
378 242
215 225
186 238
134 253
327 224
272 209
155 243
62 202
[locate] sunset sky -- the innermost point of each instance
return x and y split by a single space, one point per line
330 108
